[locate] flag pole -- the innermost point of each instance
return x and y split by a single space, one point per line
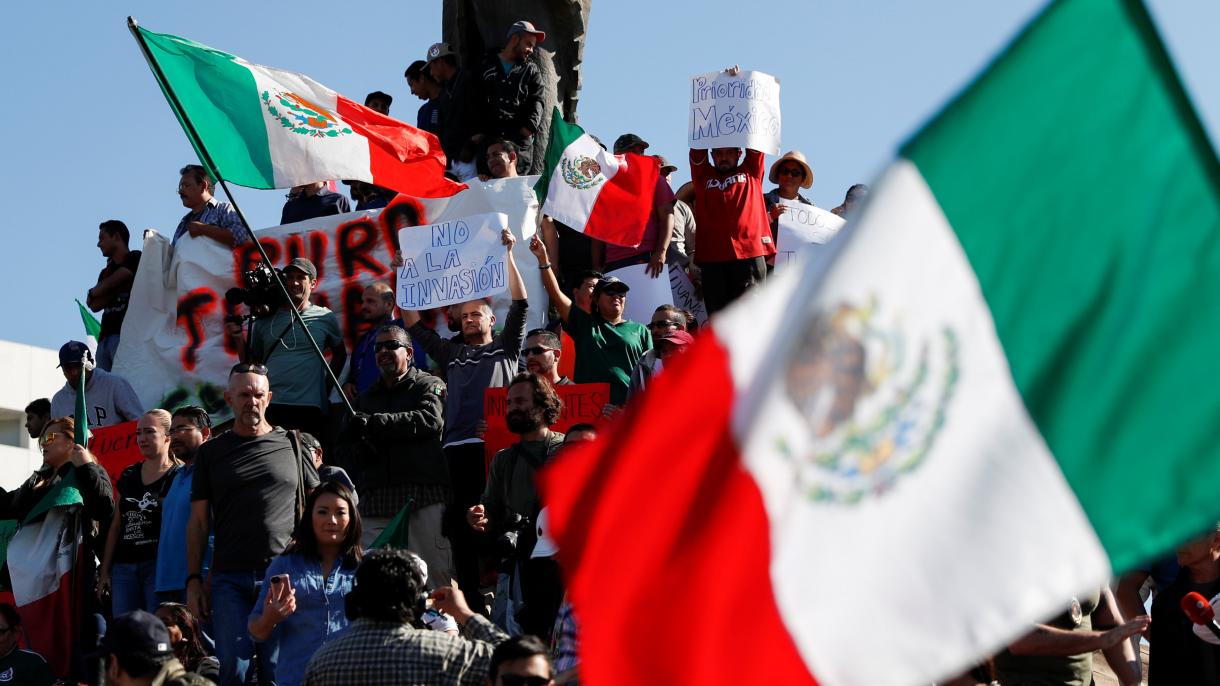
133 25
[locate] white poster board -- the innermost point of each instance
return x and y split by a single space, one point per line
647 293
452 262
801 226
739 111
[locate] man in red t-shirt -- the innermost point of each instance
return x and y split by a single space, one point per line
734 228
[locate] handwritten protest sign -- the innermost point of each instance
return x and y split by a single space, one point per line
115 448
739 111
452 262
582 404
803 225
648 293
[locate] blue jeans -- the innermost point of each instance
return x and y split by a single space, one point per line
105 351
233 598
133 586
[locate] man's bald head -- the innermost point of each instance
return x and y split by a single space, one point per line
377 302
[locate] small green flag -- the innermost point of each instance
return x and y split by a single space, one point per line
395 533
93 328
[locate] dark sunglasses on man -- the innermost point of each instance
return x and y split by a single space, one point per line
536 350
248 368
388 345
518 680
791 171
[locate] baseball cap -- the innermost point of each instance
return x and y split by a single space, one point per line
666 164
610 284
73 352
545 547
524 26
628 140
437 51
136 633
305 266
676 337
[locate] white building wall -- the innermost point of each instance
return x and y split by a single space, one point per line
26 372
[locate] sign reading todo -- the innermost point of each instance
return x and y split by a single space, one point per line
452 262
803 225
739 111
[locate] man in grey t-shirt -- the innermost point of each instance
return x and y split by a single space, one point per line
245 491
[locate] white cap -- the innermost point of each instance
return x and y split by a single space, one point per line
545 547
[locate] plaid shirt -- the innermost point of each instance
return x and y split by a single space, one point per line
215 213
377 653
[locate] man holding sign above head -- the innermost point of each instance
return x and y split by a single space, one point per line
480 360
607 346
734 231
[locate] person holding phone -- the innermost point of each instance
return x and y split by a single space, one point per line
302 604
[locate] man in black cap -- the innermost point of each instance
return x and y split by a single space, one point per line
379 102
298 381
138 651
607 346
511 89
457 107
110 399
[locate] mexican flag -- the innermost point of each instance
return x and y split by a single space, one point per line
268 128
981 400
93 328
605 196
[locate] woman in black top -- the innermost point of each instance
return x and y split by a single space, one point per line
129 563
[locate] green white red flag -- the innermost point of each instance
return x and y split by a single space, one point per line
263 127
979 401
585 187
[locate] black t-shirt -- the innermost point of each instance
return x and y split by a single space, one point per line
25 668
140 514
116 309
1178 656
251 485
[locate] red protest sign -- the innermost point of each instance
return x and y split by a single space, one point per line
115 448
582 404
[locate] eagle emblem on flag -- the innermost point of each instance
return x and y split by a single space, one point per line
301 116
581 172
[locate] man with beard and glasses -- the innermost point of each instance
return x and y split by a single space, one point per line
510 505
190 427
397 432
249 483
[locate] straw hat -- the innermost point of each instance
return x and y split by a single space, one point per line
792 156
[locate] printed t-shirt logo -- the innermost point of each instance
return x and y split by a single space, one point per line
6 675
581 172
870 401
302 116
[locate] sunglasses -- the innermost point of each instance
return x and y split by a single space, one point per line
536 350
518 680
388 345
48 438
791 171
666 324
248 368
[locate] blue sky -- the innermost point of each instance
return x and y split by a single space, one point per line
93 138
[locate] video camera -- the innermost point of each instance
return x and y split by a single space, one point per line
261 293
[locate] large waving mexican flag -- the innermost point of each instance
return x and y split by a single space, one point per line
268 128
988 394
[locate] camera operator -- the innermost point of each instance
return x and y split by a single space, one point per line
510 502
276 340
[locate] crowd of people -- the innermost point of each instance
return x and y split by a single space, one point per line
299 543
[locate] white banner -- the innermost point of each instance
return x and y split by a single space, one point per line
739 111
803 225
647 293
172 346
452 262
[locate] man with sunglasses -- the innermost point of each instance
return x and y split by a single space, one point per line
397 433
521 661
542 352
248 484
789 173
190 427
